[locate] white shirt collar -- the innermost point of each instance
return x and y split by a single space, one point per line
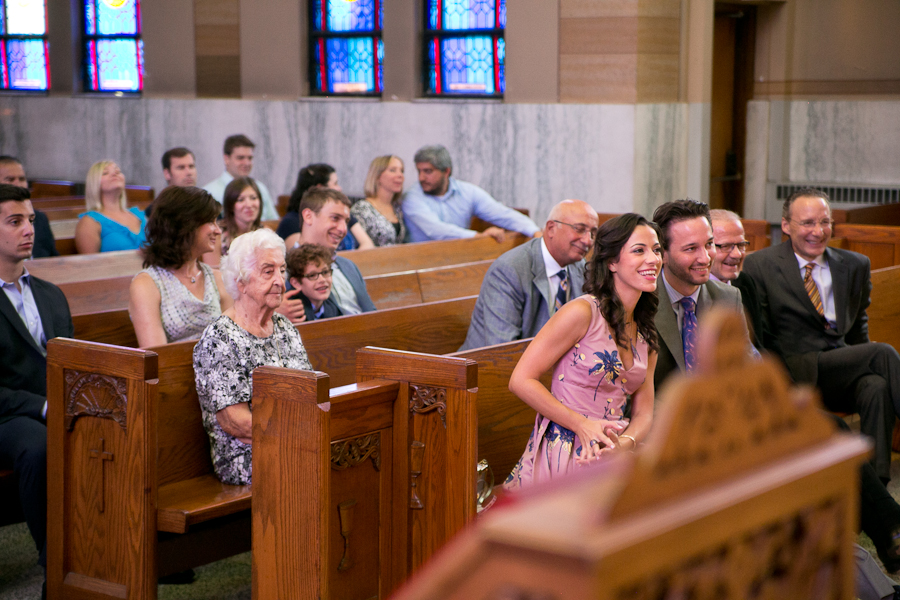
552 267
819 261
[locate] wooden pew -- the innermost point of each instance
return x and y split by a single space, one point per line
431 328
423 255
131 492
758 233
504 421
47 188
354 490
885 214
377 261
880 243
150 504
762 505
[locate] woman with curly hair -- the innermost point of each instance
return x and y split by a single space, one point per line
176 295
602 348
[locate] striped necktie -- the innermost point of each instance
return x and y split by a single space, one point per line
561 295
812 289
688 331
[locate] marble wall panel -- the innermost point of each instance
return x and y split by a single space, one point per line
845 141
527 155
661 141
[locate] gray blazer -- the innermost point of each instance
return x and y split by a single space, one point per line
793 328
515 302
671 348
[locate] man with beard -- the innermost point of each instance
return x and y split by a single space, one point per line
441 207
686 292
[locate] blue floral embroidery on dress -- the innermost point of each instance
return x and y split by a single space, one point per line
557 434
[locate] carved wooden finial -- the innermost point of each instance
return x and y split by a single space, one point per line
732 414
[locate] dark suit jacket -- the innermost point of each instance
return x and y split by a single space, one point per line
792 327
671 348
44 242
750 298
23 368
514 302
351 272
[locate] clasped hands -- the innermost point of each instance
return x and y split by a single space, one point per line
598 438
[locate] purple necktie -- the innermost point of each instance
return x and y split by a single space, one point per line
688 331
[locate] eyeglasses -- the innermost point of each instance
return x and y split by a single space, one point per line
811 224
314 276
727 248
579 229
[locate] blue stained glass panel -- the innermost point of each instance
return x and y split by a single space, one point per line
349 65
27 61
341 15
2 17
112 17
456 15
467 65
116 65
25 17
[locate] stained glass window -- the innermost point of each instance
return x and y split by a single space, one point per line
23 45
346 51
464 47
113 50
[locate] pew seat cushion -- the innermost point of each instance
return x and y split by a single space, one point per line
192 501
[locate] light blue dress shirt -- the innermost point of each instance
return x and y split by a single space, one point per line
448 217
26 307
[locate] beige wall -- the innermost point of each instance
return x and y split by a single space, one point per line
622 51
834 48
169 47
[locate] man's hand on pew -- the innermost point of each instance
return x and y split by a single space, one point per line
292 307
495 232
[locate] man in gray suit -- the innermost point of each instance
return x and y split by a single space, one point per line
522 288
813 301
686 293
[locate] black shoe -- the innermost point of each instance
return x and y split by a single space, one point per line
44 590
897 592
890 556
182 578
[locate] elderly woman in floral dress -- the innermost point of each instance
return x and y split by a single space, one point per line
250 334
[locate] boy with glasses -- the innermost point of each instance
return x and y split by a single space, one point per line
309 270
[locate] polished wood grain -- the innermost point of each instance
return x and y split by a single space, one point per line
134 494
885 214
434 328
425 255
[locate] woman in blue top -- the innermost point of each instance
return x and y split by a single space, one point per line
108 223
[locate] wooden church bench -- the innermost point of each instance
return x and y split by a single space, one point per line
356 486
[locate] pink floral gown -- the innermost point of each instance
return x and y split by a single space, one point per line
591 380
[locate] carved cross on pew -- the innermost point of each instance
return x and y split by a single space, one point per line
103 457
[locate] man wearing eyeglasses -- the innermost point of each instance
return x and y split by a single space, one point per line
813 302
731 248
525 286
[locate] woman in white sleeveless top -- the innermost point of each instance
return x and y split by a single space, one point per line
177 295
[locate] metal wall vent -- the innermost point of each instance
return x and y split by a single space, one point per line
845 193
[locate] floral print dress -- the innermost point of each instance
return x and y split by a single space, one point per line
382 231
224 360
591 380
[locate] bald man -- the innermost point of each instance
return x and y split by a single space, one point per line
525 286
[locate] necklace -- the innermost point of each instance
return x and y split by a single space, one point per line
193 278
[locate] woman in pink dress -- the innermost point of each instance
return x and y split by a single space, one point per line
602 348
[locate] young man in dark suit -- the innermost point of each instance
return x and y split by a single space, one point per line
813 302
32 311
13 173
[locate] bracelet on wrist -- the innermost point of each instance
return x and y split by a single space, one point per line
633 441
